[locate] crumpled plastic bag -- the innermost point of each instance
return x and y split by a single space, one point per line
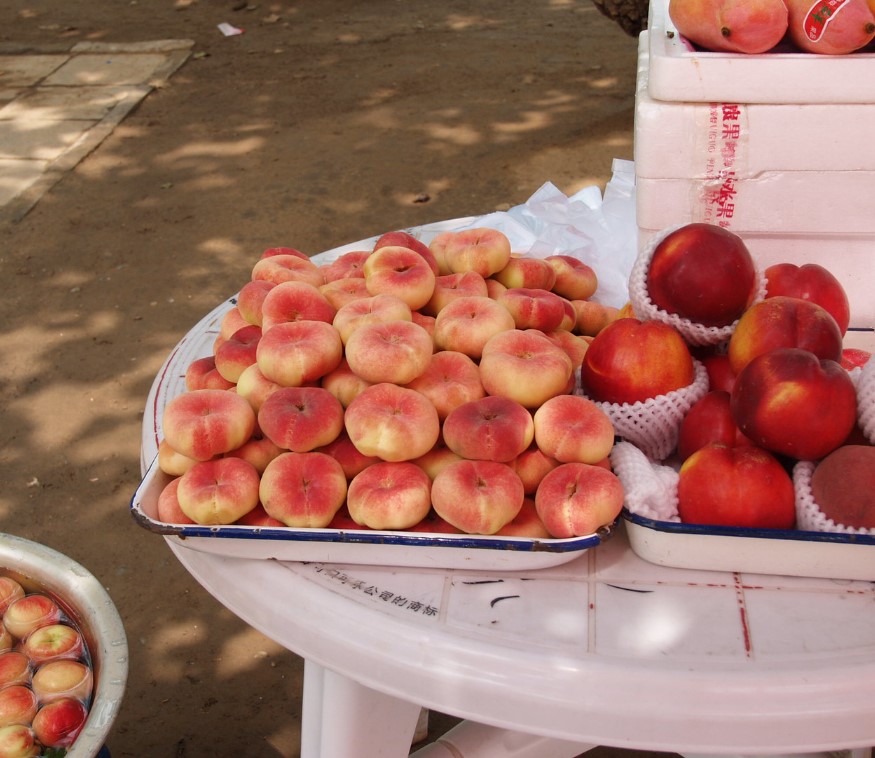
599 230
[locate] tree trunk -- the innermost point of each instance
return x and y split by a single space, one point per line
631 15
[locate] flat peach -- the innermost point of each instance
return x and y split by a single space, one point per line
295 301
303 490
347 455
450 379
237 352
483 250
254 386
172 462
168 509
287 268
373 309
342 291
406 239
533 308
525 366
344 383
219 491
282 250
573 428
391 351
477 497
250 299
399 271
392 423
574 279
575 499
257 450
389 495
532 465
527 523
532 273
346 266
493 428
449 287
204 423
466 324
301 419
201 374
298 352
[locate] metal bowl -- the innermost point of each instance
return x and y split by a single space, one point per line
91 609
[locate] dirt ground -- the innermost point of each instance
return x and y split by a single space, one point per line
322 124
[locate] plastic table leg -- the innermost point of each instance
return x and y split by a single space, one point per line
341 718
472 740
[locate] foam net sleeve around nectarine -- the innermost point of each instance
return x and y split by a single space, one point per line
864 379
653 424
809 517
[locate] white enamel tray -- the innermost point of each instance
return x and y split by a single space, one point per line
371 547
679 73
789 552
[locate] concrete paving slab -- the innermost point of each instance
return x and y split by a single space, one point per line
65 103
16 176
55 108
38 139
114 68
28 70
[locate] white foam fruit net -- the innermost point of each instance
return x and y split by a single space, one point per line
653 424
809 517
651 488
694 333
864 379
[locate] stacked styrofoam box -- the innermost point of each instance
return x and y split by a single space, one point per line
779 148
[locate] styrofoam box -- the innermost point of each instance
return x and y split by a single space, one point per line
682 73
795 181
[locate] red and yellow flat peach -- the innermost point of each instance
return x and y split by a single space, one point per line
533 308
201 374
531 466
574 345
477 497
218 492
574 278
347 455
298 352
392 423
254 386
301 419
168 509
282 250
237 352
528 273
250 299
592 317
576 499
390 351
436 459
486 251
346 266
466 324
525 366
370 310
389 495
406 239
572 428
205 423
344 383
527 523
295 301
493 428
342 291
449 287
450 379
257 450
287 268
171 462
399 271
303 490
230 323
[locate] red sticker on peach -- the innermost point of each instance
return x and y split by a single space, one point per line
819 16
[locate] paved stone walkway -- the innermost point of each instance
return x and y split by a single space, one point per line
56 107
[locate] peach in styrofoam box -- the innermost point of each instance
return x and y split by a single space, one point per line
775 147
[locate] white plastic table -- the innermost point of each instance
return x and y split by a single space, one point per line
605 649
